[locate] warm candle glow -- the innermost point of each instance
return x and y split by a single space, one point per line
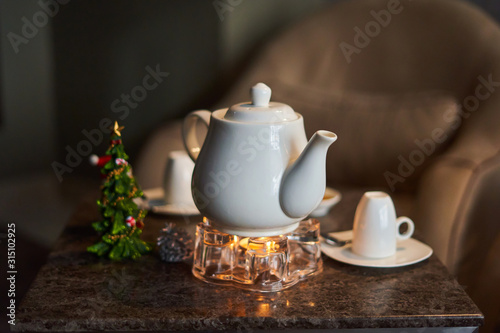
269 246
263 310
253 263
264 243
244 242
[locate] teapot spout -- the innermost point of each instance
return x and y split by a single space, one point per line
303 183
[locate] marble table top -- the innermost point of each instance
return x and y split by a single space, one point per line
76 291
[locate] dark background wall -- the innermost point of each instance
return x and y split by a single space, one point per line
492 7
102 50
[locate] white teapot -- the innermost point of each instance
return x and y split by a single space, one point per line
256 174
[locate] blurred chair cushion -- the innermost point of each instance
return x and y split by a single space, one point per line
376 131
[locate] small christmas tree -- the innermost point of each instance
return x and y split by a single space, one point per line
122 222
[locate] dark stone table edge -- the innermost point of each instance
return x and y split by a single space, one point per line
238 323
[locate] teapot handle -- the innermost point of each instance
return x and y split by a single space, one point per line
189 131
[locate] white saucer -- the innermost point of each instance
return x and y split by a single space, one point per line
154 202
331 198
408 252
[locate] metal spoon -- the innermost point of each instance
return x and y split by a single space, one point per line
331 240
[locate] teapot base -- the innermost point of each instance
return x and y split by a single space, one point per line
256 232
263 264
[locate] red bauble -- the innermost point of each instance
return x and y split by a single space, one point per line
130 221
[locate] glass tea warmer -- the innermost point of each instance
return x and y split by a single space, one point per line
265 264
256 178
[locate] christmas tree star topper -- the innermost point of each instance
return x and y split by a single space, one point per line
116 129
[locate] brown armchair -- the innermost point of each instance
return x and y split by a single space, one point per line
428 55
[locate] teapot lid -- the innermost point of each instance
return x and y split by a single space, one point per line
260 110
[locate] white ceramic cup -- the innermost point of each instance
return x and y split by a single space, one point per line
376 228
177 179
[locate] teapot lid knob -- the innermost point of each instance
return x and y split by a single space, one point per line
260 109
261 94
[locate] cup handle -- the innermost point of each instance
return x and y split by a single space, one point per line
411 227
189 131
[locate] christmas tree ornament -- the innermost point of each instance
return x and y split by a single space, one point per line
174 244
122 223
99 161
120 161
130 221
116 130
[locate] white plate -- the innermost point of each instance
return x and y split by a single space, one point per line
154 202
408 252
333 197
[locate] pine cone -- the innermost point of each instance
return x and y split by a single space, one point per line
174 244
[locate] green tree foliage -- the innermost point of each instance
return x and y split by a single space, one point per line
122 221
